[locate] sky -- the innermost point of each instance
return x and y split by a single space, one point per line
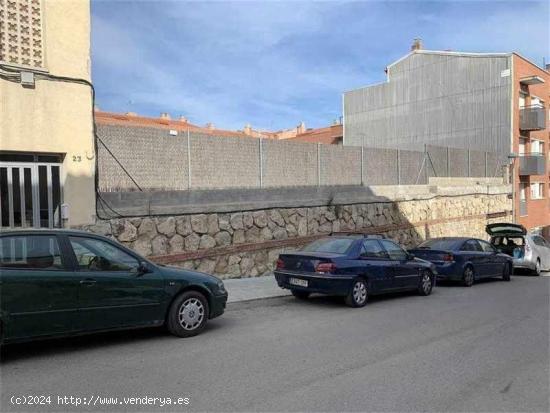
274 64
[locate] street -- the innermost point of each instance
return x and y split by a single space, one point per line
484 348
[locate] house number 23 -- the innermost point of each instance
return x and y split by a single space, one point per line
77 158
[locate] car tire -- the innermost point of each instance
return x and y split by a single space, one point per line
538 269
301 295
426 283
188 314
507 272
468 276
358 294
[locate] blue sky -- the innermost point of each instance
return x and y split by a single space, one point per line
274 64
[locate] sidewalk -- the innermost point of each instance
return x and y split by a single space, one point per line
246 289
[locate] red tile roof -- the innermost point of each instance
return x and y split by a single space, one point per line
109 118
328 135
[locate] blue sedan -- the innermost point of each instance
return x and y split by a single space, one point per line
465 259
354 266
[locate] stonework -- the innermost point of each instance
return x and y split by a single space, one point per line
407 221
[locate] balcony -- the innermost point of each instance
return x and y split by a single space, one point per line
532 164
532 118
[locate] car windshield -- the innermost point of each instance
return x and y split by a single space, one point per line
331 245
439 244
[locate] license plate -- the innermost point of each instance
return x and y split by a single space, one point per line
297 281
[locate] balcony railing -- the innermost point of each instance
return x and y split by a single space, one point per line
532 118
532 164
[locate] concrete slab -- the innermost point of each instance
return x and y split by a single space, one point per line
247 289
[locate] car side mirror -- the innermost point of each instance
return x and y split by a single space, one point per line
143 268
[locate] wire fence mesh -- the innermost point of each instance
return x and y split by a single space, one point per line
157 160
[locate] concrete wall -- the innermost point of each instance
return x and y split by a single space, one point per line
246 241
449 100
56 116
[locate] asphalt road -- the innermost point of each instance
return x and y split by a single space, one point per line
484 348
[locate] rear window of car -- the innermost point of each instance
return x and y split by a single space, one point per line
330 245
439 244
507 241
38 252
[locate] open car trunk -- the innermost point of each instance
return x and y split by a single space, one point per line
508 238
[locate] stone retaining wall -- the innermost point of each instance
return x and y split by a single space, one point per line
246 244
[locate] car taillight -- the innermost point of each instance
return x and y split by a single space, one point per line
448 257
325 267
280 264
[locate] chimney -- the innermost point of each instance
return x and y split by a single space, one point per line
547 67
301 128
247 129
183 119
417 44
165 116
131 114
210 126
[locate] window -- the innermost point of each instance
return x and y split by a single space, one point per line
540 241
394 251
38 252
521 100
21 42
537 190
522 145
486 247
330 245
471 245
371 248
439 244
537 147
97 255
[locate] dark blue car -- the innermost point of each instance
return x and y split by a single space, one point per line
465 259
354 266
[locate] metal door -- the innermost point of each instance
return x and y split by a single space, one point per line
30 195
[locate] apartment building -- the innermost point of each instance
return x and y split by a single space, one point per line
47 155
495 102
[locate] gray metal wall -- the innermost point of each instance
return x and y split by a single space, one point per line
158 161
444 100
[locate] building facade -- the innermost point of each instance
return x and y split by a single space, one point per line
495 102
47 156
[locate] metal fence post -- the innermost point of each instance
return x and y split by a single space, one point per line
362 165
448 163
398 167
318 164
426 158
188 159
261 153
469 164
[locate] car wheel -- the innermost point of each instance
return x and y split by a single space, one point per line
358 294
468 276
507 272
188 314
302 295
426 283
538 269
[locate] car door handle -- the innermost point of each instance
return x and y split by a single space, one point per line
88 281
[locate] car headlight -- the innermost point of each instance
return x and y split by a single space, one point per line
221 286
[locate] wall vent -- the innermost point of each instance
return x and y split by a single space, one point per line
21 33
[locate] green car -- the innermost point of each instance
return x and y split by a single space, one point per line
63 283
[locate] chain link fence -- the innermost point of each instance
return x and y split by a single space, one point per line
158 160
